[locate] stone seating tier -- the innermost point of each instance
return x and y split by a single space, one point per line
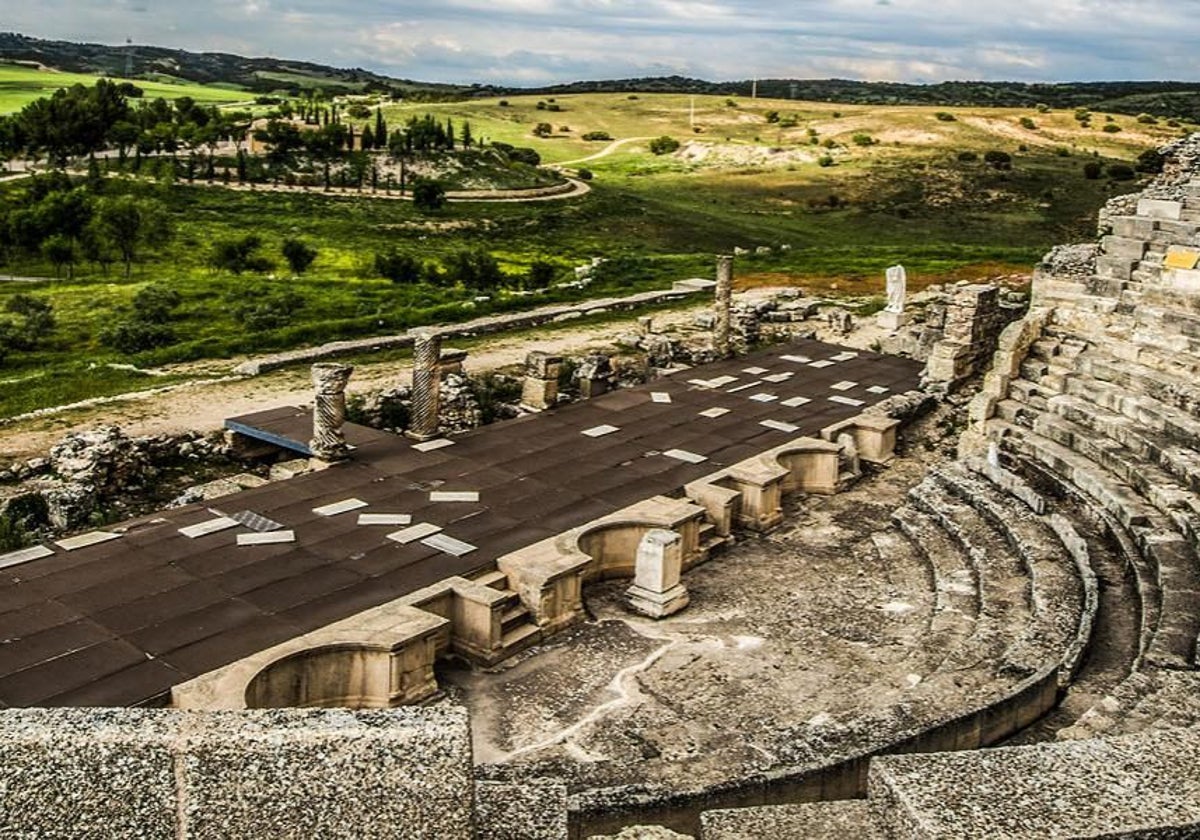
1167 553
1017 627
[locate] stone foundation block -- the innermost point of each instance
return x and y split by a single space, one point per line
1115 268
1134 227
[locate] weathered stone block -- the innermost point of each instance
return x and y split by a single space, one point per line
1183 280
68 773
1153 208
1123 246
1134 227
1115 268
330 774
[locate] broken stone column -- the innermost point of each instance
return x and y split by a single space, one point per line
594 374
426 387
656 590
540 390
329 411
724 303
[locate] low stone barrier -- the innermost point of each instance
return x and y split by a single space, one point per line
170 775
478 326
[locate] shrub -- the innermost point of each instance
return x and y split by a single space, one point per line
584 174
476 270
998 159
133 336
1092 170
1028 124
1150 161
1147 119
597 135
156 302
1062 151
825 160
663 145
1111 128
967 157
268 311
1121 172
543 129
238 255
398 267
37 321
945 116
771 117
541 274
298 254
428 195
524 155
503 103
863 140
1043 108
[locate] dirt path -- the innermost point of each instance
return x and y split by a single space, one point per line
605 152
204 407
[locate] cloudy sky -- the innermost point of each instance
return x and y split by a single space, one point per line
533 42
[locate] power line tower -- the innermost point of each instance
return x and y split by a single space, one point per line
128 58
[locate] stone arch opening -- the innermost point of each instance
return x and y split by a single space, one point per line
352 676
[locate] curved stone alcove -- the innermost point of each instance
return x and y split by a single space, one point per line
333 676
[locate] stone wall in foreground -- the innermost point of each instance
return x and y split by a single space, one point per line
398 774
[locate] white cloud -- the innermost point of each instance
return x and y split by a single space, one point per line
541 41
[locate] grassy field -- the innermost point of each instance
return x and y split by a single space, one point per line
742 183
21 85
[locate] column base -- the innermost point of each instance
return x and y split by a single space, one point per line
657 604
892 321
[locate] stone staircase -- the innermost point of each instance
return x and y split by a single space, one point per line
519 630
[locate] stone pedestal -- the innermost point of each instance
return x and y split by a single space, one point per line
426 388
540 390
329 411
892 321
656 590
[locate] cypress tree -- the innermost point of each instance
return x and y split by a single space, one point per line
381 136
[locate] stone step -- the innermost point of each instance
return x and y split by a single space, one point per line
956 589
811 821
519 638
495 579
1169 553
1005 596
1144 701
1120 500
513 616
1106 537
1139 785
1059 590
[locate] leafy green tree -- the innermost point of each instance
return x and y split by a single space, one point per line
62 253
428 195
299 255
126 224
543 129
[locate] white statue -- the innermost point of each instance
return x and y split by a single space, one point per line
897 283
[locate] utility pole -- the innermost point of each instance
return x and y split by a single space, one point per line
754 89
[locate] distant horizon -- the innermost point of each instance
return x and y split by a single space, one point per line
540 43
